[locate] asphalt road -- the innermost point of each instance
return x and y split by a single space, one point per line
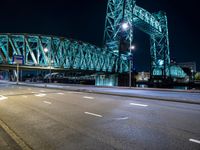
56 119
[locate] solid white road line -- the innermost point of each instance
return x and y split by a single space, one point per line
195 141
2 98
135 104
42 91
40 95
87 97
96 115
47 102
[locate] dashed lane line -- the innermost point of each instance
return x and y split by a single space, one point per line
136 104
40 95
47 102
87 97
121 118
60 93
195 141
93 114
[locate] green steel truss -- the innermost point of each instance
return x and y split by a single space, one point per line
62 53
155 25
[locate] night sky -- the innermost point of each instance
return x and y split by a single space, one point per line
84 20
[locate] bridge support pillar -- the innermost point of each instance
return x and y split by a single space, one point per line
106 80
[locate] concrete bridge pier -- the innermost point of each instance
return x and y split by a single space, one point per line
106 80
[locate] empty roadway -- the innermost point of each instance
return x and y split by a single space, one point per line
57 119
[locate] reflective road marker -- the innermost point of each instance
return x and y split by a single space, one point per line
96 115
135 104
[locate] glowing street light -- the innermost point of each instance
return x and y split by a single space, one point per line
132 47
46 50
125 26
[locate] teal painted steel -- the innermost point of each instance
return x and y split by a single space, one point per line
70 54
155 25
62 53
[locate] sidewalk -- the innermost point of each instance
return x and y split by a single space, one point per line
173 95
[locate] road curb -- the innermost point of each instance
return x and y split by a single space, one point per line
115 94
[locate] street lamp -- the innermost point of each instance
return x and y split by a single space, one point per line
126 26
132 47
50 62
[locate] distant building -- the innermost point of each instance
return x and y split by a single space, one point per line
143 76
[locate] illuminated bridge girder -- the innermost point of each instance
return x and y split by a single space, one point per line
155 25
62 53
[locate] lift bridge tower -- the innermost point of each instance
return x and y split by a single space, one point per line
154 24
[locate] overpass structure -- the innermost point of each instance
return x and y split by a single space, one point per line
63 53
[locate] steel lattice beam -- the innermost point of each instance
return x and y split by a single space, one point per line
62 53
155 25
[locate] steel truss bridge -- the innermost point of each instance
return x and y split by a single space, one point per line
70 54
62 53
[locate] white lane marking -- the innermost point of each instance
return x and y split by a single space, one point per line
42 91
122 118
60 93
96 115
87 97
195 141
33 92
47 102
24 96
2 98
40 95
135 104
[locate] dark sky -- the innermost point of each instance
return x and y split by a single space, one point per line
84 20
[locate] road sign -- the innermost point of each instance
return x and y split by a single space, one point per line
18 59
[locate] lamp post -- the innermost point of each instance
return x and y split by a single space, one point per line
132 47
49 61
125 27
